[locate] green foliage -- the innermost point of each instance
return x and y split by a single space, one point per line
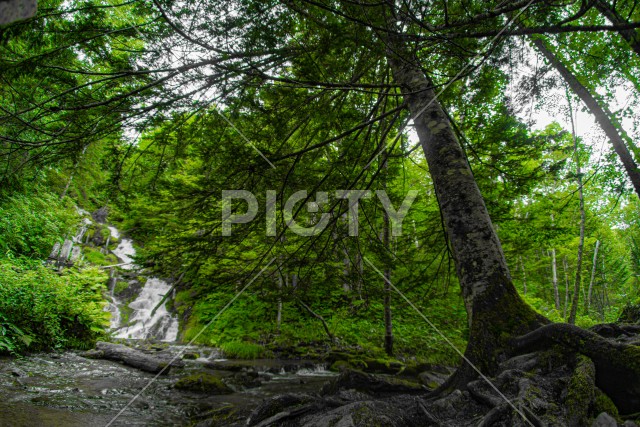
242 350
12 339
30 224
54 310
96 257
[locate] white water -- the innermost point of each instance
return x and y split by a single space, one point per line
114 232
142 324
125 252
162 325
113 306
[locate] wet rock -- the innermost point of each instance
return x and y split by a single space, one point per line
604 420
432 379
368 383
277 405
244 380
190 356
360 414
17 372
202 382
101 215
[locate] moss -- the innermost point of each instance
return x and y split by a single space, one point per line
105 233
340 365
202 383
121 286
581 391
191 356
602 403
94 256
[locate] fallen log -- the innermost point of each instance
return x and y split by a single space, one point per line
128 356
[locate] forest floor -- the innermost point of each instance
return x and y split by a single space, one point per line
552 387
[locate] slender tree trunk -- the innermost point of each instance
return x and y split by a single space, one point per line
73 172
388 324
583 220
554 278
605 291
493 304
593 276
603 116
524 276
630 35
279 313
565 265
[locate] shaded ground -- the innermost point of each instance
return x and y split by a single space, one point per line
65 390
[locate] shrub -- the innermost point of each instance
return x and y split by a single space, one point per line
31 224
54 310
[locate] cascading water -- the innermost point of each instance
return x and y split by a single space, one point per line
144 321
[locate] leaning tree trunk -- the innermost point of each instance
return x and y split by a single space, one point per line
600 111
583 220
630 34
493 305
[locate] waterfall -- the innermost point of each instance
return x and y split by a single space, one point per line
142 324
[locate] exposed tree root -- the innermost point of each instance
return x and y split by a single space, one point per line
617 366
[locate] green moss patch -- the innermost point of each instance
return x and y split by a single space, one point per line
202 383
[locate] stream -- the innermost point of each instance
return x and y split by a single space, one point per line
67 390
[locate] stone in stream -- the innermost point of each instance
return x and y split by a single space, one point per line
202 382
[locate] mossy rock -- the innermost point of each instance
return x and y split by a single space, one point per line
383 366
581 391
602 403
202 382
120 287
191 356
340 365
630 314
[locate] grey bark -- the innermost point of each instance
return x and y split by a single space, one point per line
325 326
494 307
600 111
554 278
128 356
583 220
524 276
593 276
565 265
388 323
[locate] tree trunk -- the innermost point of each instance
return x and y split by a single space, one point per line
388 325
630 34
565 265
601 112
593 276
128 356
279 304
524 276
494 308
583 220
554 278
